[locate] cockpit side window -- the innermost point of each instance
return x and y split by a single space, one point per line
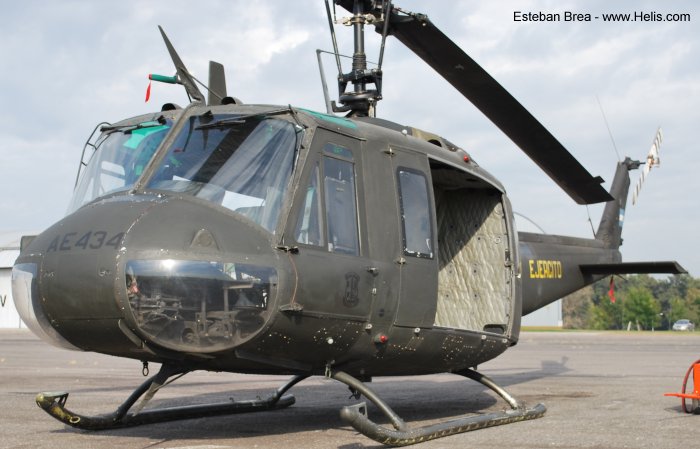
120 156
310 221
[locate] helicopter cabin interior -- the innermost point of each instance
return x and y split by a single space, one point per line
474 288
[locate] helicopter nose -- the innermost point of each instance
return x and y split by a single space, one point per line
25 291
174 272
204 283
64 280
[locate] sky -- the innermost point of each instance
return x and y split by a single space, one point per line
69 65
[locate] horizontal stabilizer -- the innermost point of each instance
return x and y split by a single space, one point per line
671 267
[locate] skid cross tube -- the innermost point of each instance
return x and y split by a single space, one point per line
402 435
54 405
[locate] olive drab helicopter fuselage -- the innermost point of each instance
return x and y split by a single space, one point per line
279 240
346 238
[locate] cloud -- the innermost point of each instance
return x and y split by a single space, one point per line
75 63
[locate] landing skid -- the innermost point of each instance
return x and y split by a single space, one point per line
127 415
402 435
132 414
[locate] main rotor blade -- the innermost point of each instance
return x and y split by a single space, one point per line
185 78
499 106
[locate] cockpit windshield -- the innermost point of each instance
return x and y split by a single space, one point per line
241 163
120 155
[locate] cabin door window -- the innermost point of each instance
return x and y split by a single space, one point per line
341 205
415 214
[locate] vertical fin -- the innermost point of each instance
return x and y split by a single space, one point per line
610 227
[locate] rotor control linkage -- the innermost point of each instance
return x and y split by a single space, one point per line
402 435
54 405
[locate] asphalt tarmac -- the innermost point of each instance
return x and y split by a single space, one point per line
602 390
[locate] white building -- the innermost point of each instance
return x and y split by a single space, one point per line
548 316
551 314
9 250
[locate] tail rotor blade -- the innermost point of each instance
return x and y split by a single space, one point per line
652 160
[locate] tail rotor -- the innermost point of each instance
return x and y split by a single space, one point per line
652 161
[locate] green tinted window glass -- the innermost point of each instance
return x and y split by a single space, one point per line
337 150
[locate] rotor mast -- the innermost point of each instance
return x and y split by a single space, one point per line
360 101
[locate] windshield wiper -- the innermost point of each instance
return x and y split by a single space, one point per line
160 121
241 119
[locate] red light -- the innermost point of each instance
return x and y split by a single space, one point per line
466 158
380 339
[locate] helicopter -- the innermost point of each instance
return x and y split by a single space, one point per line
262 239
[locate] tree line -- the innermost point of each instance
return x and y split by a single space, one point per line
638 302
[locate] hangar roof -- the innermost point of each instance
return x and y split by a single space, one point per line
9 246
8 257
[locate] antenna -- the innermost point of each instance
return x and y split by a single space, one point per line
605 119
217 83
531 221
326 96
184 77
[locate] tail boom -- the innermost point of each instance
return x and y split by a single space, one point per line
554 266
551 266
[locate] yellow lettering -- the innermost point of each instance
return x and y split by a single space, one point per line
545 269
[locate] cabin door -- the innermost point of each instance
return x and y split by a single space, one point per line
417 257
327 228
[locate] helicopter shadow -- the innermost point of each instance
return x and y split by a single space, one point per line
679 410
548 368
